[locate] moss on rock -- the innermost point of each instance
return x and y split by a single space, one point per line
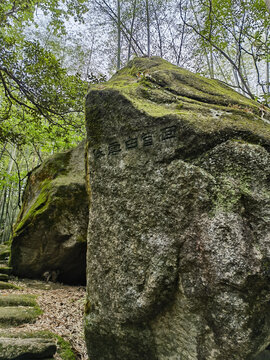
18 300
5 285
40 205
5 269
178 171
49 238
157 89
4 277
17 315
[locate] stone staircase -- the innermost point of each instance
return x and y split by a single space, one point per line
15 310
5 270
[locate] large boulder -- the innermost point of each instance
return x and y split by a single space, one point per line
49 237
178 260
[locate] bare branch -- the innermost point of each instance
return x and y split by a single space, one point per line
223 53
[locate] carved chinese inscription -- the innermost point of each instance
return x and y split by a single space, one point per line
168 132
98 153
114 148
147 139
131 143
144 140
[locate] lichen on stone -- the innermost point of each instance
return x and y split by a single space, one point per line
178 171
49 235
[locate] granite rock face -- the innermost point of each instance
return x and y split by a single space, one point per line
49 239
178 264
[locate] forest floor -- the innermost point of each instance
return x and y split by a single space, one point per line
63 311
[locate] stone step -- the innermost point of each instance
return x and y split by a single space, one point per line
4 269
4 277
4 255
3 263
26 349
6 285
16 315
18 300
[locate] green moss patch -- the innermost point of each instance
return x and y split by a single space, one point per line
65 351
157 89
39 206
4 247
6 285
3 277
16 315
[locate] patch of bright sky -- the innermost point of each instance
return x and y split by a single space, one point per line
82 48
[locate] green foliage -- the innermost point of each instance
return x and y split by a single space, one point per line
234 36
41 103
36 93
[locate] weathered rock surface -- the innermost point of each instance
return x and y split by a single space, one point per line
179 233
26 349
50 234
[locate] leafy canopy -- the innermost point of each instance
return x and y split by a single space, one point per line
38 98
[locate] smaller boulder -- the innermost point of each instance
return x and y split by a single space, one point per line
49 239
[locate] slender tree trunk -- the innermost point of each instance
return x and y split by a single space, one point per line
6 191
267 80
148 28
208 61
131 28
267 69
3 150
104 6
212 72
182 40
90 57
118 35
3 205
159 32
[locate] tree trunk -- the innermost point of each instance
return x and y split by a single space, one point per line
131 28
148 27
118 35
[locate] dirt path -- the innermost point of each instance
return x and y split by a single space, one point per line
63 309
